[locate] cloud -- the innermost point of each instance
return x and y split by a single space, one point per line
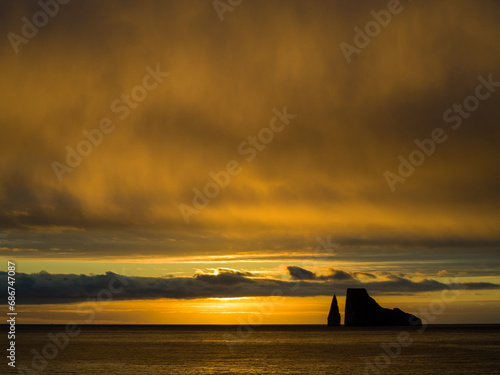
225 276
298 273
353 122
47 288
444 273
338 275
222 270
365 275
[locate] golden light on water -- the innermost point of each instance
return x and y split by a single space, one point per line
312 134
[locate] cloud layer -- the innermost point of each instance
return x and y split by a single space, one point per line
324 173
45 288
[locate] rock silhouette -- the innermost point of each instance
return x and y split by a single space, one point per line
362 310
334 315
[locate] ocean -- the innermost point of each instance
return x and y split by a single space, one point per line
306 349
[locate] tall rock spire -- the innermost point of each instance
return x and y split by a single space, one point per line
334 316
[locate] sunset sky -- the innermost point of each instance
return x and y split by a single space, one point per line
305 136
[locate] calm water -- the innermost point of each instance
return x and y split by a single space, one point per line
267 350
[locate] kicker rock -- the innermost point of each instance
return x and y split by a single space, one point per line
362 310
334 316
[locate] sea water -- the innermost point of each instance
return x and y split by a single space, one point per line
124 350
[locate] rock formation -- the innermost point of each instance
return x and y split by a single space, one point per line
334 316
362 310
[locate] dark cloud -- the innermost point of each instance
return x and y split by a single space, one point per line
365 274
46 288
338 275
299 273
225 276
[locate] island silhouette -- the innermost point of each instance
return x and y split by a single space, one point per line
361 310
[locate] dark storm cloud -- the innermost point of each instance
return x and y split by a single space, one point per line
46 288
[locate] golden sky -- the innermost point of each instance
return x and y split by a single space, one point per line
304 139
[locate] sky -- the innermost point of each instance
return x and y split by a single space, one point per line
199 162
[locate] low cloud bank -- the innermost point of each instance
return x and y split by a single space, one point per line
46 288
